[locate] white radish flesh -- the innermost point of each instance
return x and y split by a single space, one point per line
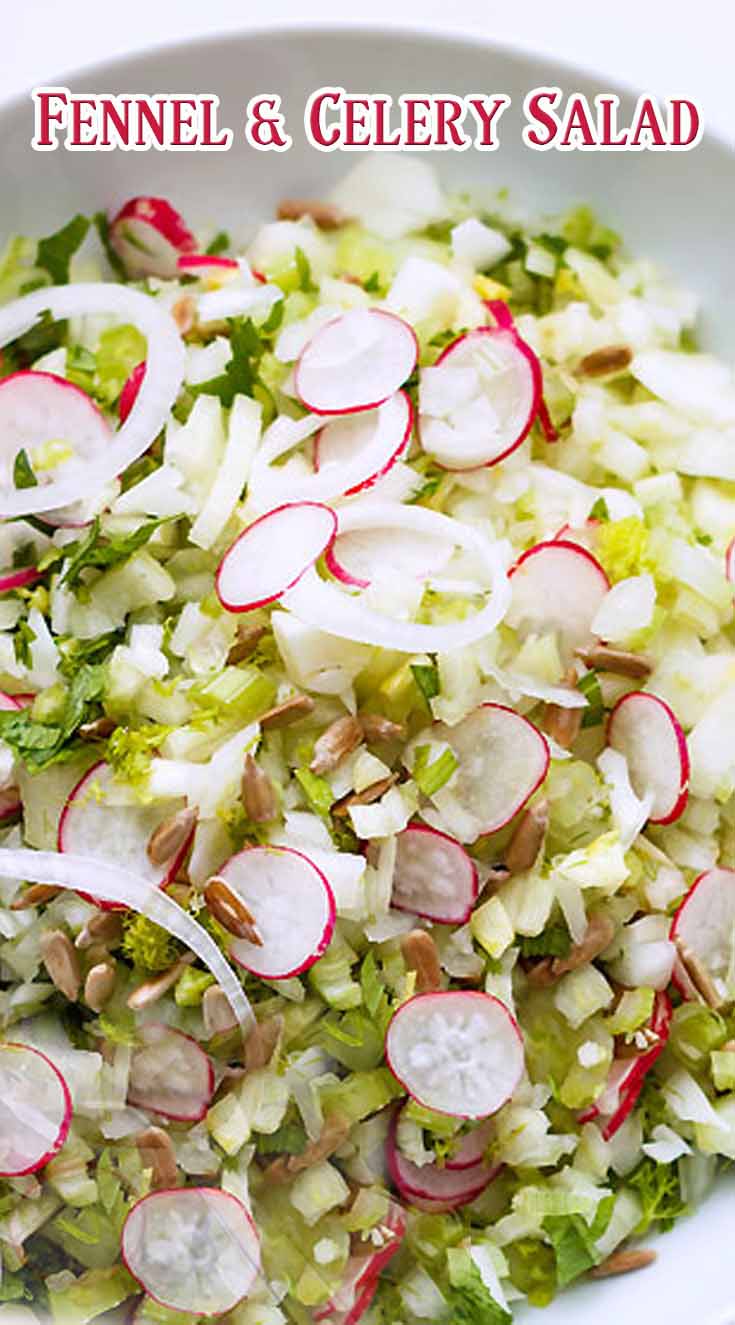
480 398
458 1052
557 586
644 729
349 436
627 1075
36 408
355 362
430 1182
292 905
170 1074
472 1147
705 923
148 235
195 1249
433 877
376 444
502 758
730 561
272 554
92 823
359 557
35 1110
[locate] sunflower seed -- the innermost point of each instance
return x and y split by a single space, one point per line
598 935
102 927
635 665
99 985
622 1262
99 730
365 797
36 894
230 911
420 955
257 793
340 739
248 639
528 838
171 835
324 214
61 962
610 359
157 1153
184 314
291 710
698 975
262 1042
217 1013
376 728
150 991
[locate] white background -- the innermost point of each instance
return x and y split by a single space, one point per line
663 46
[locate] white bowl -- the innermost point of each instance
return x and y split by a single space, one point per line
674 207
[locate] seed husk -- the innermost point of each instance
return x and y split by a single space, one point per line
171 835
36 894
257 793
376 728
184 313
367 796
102 927
61 962
217 1013
598 935
563 725
99 985
262 1042
98 730
622 1262
150 991
698 975
248 639
604 659
603 362
528 838
334 1132
420 955
291 710
324 214
230 911
157 1154
340 739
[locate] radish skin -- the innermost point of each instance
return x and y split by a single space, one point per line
646 731
170 1075
273 553
35 1110
434 877
149 235
293 907
129 393
705 923
355 362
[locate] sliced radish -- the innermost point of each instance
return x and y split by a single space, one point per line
730 561
433 877
18 579
91 820
705 922
355 362
557 586
458 1052
349 436
8 702
361 1274
472 1147
293 907
627 1075
357 557
38 407
149 235
321 603
502 758
428 1182
199 264
644 729
129 393
170 1074
376 444
273 553
480 398
195 1249
35 1110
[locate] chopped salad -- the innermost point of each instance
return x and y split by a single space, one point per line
367 732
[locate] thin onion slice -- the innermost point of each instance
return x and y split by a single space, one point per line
158 390
322 604
76 873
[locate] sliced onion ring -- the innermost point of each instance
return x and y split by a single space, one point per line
158 391
111 884
322 604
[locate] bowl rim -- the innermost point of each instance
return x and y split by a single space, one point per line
326 28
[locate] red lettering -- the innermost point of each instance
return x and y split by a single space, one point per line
381 109
315 122
355 121
678 105
46 116
80 122
416 121
577 123
647 121
609 106
111 115
536 114
448 111
486 117
153 122
209 125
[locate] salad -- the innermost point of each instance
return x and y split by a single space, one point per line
367 732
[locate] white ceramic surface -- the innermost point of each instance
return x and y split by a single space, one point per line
675 207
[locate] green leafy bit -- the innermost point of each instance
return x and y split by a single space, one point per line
426 676
23 475
47 334
574 1248
56 251
532 1267
40 744
658 1190
599 510
589 684
241 372
469 1300
303 267
373 284
218 245
75 653
22 641
373 988
81 365
97 550
317 790
191 986
119 351
102 226
554 941
147 945
429 777
289 1139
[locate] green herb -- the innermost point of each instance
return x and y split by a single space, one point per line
532 1267
40 744
599 510
81 365
430 777
574 1248
658 1190
98 550
75 653
371 983
147 945
46 335
130 750
440 231
240 376
22 641
372 285
56 251
102 227
554 941
13 1288
289 1139
589 685
218 245
426 676
303 267
23 475
317 790
469 1301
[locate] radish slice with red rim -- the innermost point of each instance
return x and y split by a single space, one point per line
377 443
357 558
195 1249
433 877
361 1274
645 730
502 759
355 362
557 586
705 923
149 235
429 1182
35 1110
627 1075
320 603
39 407
84 477
730 561
472 1147
200 264
273 553
348 437
129 393
170 1074
18 579
459 1052
92 819
8 702
479 400
292 905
